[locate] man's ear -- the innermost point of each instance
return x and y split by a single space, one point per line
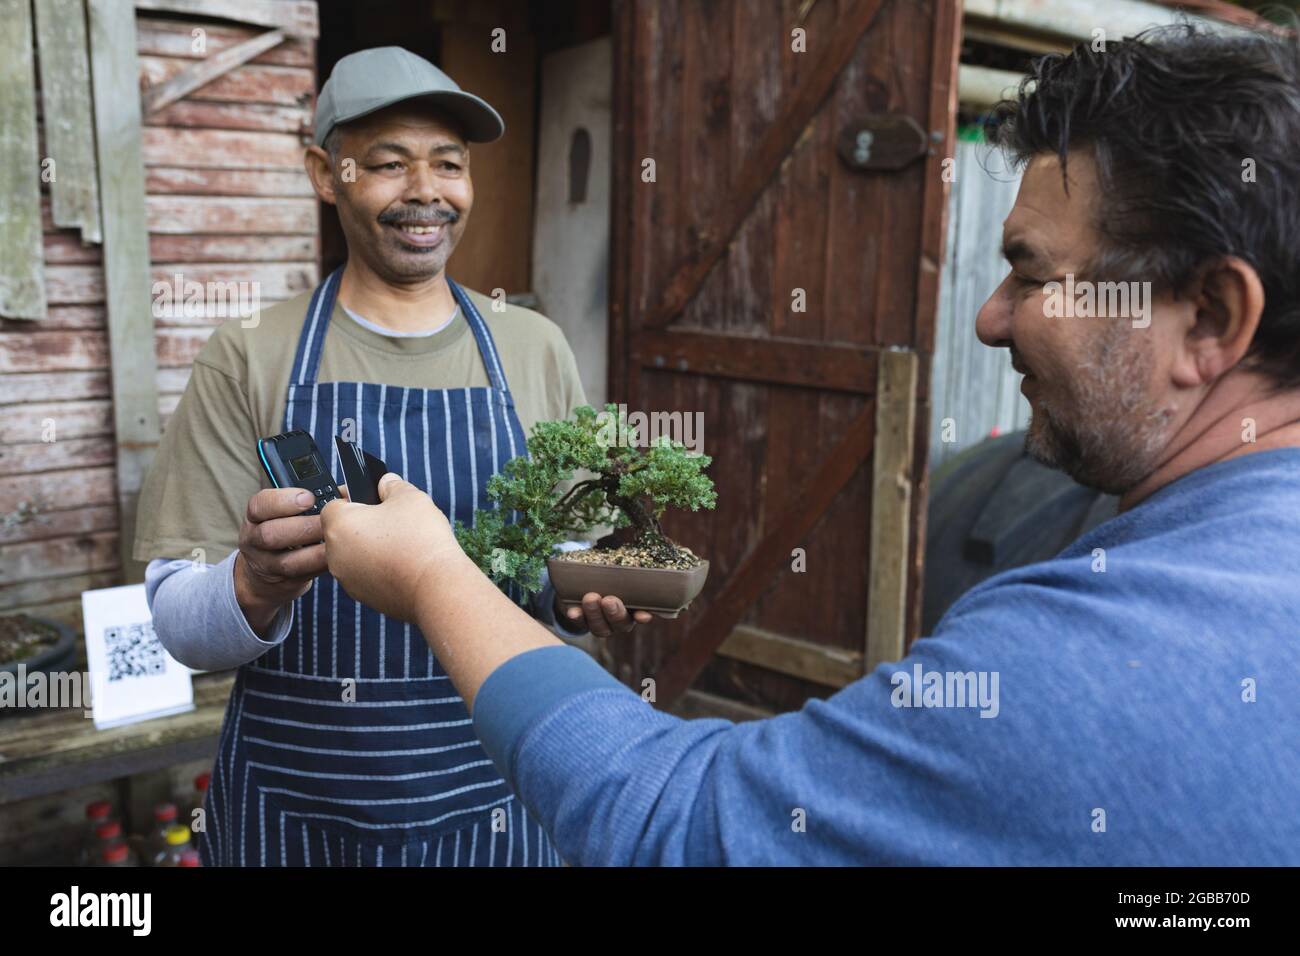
321 173
1229 300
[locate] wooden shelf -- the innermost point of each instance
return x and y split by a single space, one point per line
55 751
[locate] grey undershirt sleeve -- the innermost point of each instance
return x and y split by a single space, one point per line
197 618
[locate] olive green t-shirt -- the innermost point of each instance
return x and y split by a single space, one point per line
206 469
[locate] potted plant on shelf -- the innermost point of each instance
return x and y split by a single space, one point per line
31 644
540 504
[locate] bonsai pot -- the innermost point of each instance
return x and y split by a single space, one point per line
664 591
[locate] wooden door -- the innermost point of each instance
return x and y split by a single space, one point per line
766 196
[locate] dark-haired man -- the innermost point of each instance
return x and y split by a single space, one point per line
1131 701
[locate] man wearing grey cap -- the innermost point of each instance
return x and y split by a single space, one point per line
344 742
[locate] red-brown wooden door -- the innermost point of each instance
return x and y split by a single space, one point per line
751 202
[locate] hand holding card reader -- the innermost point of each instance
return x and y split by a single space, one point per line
292 460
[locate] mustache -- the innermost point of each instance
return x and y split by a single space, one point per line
422 217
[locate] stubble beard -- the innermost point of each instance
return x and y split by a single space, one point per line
1111 433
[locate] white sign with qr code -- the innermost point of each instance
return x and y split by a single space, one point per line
132 677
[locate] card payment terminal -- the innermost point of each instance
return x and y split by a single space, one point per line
292 460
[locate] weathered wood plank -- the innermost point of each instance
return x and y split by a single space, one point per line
42 456
33 386
55 421
294 16
66 489
269 281
221 149
226 182
115 68
200 74
62 317
33 560
233 116
891 507
789 655
227 214
64 248
49 353
171 37
942 108
250 83
40 351
54 590
79 284
40 525
758 358
237 248
22 282
65 109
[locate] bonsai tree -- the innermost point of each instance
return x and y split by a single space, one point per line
629 487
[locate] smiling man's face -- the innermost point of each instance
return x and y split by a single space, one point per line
411 199
1098 386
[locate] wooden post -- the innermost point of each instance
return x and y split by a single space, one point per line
22 264
115 73
891 507
66 105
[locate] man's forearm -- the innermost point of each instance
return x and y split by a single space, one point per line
479 630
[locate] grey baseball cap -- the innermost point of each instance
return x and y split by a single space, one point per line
368 80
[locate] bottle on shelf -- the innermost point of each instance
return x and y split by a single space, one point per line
97 812
178 841
201 783
110 834
164 817
116 854
110 831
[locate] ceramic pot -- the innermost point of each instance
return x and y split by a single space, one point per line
664 591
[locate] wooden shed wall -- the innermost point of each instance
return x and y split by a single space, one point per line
226 201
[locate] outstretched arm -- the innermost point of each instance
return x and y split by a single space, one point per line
852 779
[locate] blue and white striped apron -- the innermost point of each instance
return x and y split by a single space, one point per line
347 744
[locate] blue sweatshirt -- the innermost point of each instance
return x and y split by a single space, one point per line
1135 700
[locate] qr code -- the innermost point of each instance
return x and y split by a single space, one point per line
133 651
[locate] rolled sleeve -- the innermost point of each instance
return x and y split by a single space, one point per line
198 619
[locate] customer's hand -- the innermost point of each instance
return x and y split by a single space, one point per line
280 553
388 555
